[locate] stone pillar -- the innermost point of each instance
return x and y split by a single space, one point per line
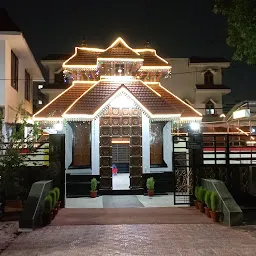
145 144
95 147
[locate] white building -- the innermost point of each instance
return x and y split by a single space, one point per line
18 70
198 81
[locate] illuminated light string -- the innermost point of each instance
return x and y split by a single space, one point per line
118 40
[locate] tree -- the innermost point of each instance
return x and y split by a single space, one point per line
241 21
12 157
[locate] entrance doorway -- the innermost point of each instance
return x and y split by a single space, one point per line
121 163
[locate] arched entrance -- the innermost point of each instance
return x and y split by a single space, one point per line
120 126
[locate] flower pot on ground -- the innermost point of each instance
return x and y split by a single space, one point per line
93 191
207 199
151 186
201 194
196 198
214 206
47 212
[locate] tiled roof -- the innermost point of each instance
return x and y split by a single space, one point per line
212 86
98 95
83 57
58 106
195 59
150 59
6 23
119 49
184 109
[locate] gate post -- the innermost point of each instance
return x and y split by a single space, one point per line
57 161
196 157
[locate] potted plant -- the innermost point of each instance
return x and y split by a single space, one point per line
196 197
47 212
207 199
58 202
201 194
54 208
150 186
93 188
214 206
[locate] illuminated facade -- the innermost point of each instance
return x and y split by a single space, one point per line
115 111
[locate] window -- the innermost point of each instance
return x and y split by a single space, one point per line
14 71
209 108
208 77
119 69
27 86
40 102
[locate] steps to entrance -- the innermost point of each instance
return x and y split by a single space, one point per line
113 216
122 192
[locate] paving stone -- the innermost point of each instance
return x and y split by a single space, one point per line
134 240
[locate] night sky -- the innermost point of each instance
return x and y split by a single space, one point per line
175 29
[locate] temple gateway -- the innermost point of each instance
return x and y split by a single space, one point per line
115 112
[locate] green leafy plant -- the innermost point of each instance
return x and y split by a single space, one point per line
214 201
196 192
150 183
53 196
47 204
12 159
57 191
201 194
94 184
207 198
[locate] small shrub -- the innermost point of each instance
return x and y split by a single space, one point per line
53 196
214 201
207 198
201 194
196 192
94 184
48 204
150 183
57 191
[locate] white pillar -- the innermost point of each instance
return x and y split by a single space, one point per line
167 146
68 145
95 147
145 144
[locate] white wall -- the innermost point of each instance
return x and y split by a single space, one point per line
167 145
145 144
14 98
95 146
184 79
2 73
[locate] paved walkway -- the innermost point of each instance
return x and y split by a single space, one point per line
114 216
121 201
134 240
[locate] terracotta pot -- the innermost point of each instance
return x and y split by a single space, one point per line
201 207
93 194
214 216
52 214
151 192
58 204
207 212
196 204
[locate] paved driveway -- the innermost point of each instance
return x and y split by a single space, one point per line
131 240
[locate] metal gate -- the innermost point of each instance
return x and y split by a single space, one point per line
226 157
183 174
